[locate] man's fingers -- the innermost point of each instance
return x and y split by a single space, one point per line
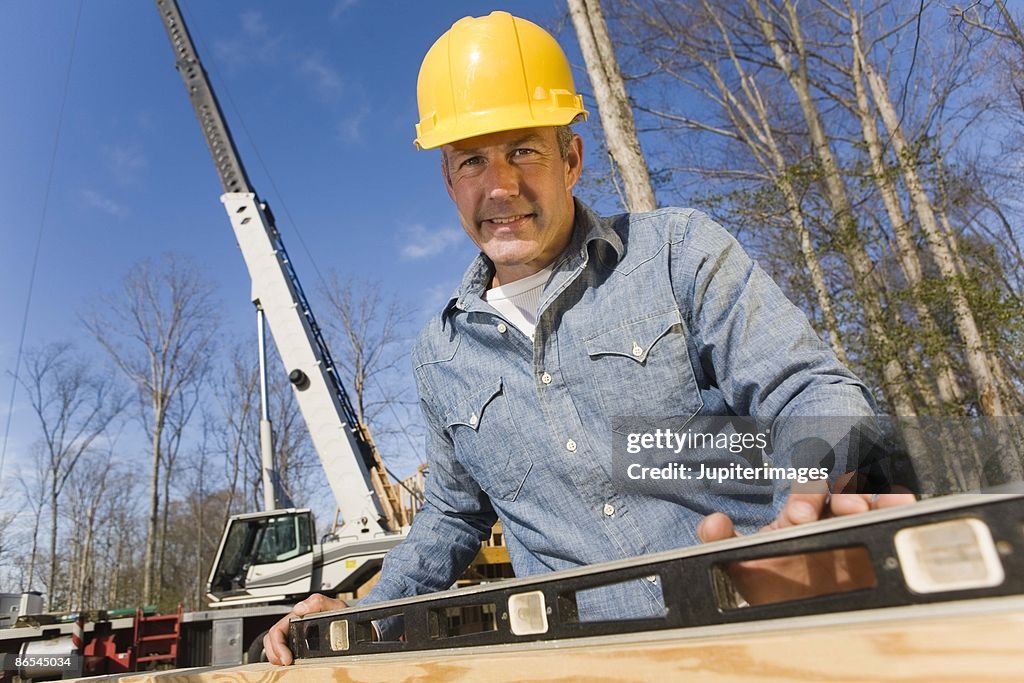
850 504
800 509
891 500
275 642
715 527
854 503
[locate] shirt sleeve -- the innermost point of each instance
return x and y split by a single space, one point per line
761 351
456 517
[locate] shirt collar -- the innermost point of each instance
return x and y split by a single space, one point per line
588 227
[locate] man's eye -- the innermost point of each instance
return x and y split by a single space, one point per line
471 161
523 151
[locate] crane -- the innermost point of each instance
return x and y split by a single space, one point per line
272 555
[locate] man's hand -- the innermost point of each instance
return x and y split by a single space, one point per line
274 643
779 579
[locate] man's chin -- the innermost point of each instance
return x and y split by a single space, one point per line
511 256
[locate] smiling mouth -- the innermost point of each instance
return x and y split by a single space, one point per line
506 220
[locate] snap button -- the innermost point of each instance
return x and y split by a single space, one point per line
570 446
637 351
502 328
546 378
473 419
609 509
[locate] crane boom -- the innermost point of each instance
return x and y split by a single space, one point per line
365 497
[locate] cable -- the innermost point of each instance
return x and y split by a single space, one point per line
39 242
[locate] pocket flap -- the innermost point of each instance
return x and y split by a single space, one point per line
470 411
634 339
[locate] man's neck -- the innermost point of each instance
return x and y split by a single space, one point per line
504 275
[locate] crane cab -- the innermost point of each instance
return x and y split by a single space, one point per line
265 556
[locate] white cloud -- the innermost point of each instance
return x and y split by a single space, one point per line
124 161
253 25
253 44
96 200
325 78
350 129
421 243
340 7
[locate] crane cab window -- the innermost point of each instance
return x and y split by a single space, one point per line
282 538
260 540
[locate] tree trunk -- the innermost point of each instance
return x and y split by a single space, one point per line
950 392
159 588
34 553
612 103
894 380
763 145
51 584
154 504
978 360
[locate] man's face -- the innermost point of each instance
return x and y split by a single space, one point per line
513 191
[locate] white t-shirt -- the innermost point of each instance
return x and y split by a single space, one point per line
518 301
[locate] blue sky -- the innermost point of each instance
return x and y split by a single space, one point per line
321 99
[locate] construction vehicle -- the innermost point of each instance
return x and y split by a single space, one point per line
273 556
267 560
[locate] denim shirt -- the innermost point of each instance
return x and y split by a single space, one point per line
646 314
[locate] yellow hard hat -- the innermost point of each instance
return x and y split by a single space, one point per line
489 74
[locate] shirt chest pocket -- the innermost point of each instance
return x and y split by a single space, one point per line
487 442
641 368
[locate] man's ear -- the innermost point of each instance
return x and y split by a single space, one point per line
574 161
447 175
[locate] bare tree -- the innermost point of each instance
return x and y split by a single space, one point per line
35 499
294 458
937 241
236 436
992 18
6 540
179 415
117 545
747 111
203 541
75 408
159 332
371 343
90 486
613 104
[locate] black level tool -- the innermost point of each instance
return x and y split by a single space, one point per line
941 550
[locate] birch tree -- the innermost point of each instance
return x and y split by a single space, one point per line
939 245
159 331
75 408
613 104
723 78
764 79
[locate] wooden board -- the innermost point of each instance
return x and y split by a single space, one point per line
974 641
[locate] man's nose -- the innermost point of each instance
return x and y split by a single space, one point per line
502 180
